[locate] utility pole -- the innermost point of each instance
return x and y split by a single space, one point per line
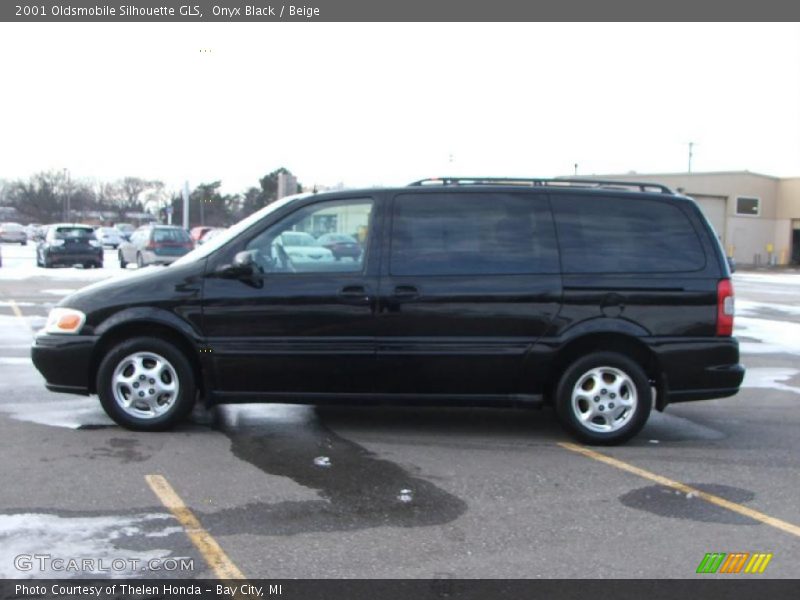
576 169
186 206
66 195
691 147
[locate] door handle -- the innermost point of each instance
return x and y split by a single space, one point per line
356 293
406 292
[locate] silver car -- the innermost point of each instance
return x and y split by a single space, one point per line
154 245
14 233
108 236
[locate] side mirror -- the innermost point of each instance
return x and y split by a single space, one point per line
244 266
245 260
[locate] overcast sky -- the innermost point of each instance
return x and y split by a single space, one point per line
386 104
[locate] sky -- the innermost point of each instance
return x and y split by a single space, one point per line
386 104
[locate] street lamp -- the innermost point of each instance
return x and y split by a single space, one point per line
66 195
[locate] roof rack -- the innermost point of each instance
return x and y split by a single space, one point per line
538 182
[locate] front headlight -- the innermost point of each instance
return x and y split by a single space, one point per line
64 320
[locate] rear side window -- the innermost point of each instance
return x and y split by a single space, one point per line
599 234
472 234
170 235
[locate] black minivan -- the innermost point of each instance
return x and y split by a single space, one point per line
599 298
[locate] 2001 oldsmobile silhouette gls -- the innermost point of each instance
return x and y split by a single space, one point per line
582 295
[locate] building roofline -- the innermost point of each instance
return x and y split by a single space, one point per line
686 174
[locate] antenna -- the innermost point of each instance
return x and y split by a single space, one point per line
691 153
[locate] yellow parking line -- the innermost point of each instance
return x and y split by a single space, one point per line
784 526
208 547
16 310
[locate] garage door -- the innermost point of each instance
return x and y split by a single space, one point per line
714 209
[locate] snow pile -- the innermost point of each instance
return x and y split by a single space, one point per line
99 538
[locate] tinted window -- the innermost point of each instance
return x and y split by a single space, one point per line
747 206
472 234
63 233
616 235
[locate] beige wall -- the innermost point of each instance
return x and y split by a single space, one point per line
789 198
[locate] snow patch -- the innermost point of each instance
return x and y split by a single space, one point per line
749 308
14 360
770 378
774 337
790 279
72 413
99 538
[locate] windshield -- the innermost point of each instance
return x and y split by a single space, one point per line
233 231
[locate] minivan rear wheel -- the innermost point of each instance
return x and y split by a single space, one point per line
603 398
146 384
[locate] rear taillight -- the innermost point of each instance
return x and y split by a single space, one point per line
724 307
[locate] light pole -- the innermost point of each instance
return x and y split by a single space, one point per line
66 195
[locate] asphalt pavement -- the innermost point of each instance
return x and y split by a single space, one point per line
329 492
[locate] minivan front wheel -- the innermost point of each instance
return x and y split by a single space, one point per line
604 398
146 384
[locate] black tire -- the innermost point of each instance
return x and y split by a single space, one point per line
122 263
25 243
182 404
47 263
139 260
568 412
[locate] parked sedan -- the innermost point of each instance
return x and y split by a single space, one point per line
14 233
109 236
125 230
69 244
341 244
303 249
34 231
155 245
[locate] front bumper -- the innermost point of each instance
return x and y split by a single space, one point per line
697 369
65 362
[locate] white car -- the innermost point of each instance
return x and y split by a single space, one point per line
108 236
302 248
13 232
